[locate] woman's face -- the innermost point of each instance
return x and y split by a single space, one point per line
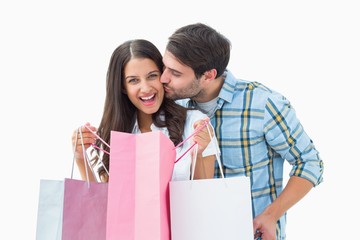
142 85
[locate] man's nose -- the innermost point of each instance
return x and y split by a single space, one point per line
164 77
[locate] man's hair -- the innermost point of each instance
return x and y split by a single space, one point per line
200 47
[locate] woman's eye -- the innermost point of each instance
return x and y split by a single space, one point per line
132 80
153 76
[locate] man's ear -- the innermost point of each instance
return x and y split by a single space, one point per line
210 74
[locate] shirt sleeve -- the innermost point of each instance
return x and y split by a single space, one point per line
285 134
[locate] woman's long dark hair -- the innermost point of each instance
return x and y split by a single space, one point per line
119 113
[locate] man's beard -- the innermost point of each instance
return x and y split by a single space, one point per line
192 91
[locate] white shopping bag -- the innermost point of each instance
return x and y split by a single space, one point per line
211 209
50 209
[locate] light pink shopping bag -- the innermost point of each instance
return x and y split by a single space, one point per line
141 167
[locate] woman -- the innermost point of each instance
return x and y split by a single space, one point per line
135 103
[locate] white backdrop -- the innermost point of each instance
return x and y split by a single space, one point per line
54 57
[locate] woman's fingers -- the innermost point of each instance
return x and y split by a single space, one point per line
84 135
202 138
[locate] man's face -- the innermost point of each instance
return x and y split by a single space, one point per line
179 80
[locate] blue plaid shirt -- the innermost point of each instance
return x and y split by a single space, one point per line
257 129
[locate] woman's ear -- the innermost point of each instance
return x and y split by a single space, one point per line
123 90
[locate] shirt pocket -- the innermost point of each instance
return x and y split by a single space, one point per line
242 149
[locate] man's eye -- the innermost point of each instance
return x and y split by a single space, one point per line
176 74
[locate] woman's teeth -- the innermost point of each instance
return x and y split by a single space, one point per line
147 98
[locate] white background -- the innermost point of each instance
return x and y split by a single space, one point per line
54 57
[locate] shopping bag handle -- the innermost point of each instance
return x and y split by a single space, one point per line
101 149
214 142
180 144
186 139
98 137
85 155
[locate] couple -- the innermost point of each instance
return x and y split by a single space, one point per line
256 127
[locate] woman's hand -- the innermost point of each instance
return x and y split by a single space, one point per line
88 139
202 138
204 167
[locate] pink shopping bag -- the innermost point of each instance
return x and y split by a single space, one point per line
71 209
84 210
141 167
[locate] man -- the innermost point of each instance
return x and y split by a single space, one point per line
257 128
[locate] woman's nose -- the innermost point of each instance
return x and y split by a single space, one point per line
145 86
